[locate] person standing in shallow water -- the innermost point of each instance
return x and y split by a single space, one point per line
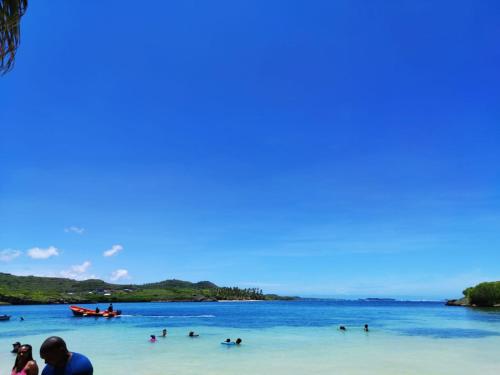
25 364
60 361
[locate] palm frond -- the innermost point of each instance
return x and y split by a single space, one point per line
11 12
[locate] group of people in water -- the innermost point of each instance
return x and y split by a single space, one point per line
58 359
365 328
152 338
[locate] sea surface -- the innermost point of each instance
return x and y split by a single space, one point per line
294 337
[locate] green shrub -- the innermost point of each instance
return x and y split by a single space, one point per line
484 294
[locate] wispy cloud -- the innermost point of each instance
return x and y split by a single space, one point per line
119 275
74 229
78 271
39 253
9 254
115 249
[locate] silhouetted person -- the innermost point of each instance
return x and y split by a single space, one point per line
25 364
192 334
164 333
97 310
110 307
366 327
15 347
238 341
343 328
61 361
228 340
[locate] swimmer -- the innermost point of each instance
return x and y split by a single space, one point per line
228 340
152 338
366 327
343 328
238 341
164 333
192 334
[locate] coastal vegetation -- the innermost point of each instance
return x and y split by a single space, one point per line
11 12
485 294
46 290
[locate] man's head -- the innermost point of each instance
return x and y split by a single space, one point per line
54 351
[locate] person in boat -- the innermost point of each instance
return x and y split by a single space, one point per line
192 334
59 360
110 307
366 328
15 347
152 338
238 341
97 310
164 332
25 364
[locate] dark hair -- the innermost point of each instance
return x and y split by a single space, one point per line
53 343
28 357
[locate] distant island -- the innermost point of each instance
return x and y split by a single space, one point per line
26 290
482 295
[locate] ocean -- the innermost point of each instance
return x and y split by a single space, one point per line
279 337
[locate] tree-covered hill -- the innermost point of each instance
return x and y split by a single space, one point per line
35 290
485 294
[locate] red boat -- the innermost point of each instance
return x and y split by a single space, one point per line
82 311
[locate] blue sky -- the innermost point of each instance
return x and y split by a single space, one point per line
313 148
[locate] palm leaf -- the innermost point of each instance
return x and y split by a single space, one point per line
11 12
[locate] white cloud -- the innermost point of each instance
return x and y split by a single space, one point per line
39 253
119 274
115 249
73 229
9 254
78 271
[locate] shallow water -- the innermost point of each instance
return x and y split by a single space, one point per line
299 337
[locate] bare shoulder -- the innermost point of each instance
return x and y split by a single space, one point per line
31 368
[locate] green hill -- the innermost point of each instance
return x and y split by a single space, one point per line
38 290
485 294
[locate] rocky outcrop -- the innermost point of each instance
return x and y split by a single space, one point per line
458 302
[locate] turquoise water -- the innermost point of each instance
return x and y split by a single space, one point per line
299 337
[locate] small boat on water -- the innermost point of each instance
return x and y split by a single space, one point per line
82 311
3 318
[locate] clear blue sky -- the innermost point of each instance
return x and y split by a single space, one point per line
340 148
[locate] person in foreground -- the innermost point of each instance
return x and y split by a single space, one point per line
25 364
60 361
